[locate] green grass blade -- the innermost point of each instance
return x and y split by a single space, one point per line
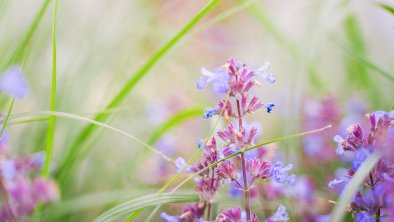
6 118
352 187
248 149
388 8
126 208
84 119
18 53
73 155
52 119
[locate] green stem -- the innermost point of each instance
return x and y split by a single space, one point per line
52 119
7 117
16 56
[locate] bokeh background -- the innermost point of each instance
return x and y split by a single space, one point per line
319 50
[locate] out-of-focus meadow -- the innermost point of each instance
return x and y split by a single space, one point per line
332 61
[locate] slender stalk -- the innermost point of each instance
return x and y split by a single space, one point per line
246 187
52 119
15 57
7 117
244 174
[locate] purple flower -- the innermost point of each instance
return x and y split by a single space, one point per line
280 173
232 214
199 143
340 151
280 215
219 78
8 169
360 156
210 112
263 72
13 83
365 217
180 163
269 107
165 217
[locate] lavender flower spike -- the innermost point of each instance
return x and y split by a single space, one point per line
13 83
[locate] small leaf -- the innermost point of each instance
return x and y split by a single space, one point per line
388 8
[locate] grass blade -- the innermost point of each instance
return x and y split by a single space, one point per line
52 119
84 119
388 8
248 149
74 154
126 208
7 117
17 55
351 188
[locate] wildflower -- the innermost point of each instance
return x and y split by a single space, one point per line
210 112
180 163
280 173
373 197
13 83
236 80
280 215
218 77
263 72
269 107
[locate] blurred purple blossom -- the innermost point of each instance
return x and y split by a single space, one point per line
13 83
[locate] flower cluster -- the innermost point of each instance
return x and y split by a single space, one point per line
236 81
374 200
22 190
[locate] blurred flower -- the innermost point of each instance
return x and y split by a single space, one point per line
372 201
13 83
280 215
280 173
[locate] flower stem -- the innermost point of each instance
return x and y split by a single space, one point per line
246 187
245 176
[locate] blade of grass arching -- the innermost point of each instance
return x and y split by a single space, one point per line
165 187
388 8
352 187
249 149
365 61
6 118
126 208
18 53
52 119
90 121
89 201
72 156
